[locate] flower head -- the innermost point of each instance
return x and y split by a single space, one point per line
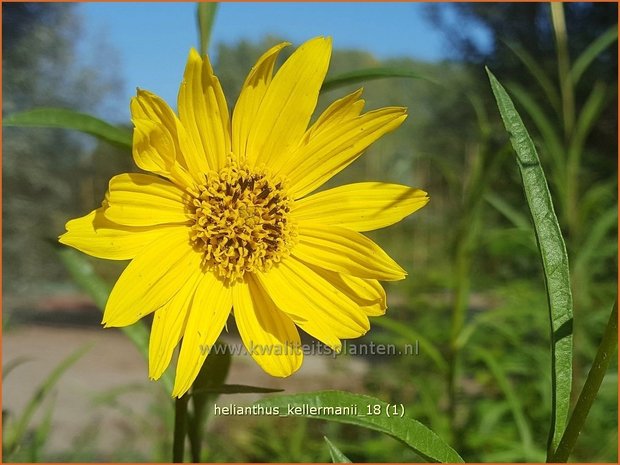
226 221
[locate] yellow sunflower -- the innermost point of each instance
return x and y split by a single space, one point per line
224 221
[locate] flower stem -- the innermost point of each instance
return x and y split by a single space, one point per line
194 435
595 377
180 429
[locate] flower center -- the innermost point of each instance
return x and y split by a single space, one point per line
241 221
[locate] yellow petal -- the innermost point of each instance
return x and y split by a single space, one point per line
154 150
210 309
338 112
269 335
313 163
153 147
362 206
204 114
345 251
95 235
152 278
146 105
144 200
250 98
289 102
168 325
367 293
314 304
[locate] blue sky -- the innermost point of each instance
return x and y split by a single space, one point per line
153 39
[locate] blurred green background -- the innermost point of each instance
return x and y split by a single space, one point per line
474 299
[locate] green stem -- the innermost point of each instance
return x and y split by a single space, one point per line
180 429
461 301
601 362
195 434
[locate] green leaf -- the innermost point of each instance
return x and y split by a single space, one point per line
518 219
42 432
598 234
601 193
335 453
368 74
515 404
539 74
607 349
554 259
551 138
234 389
206 16
411 432
412 335
14 437
12 364
69 119
85 276
584 60
588 117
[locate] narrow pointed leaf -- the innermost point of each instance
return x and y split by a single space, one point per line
42 432
367 74
206 17
412 335
584 60
525 432
605 354
12 364
411 432
539 74
554 259
518 219
234 389
335 453
68 119
16 435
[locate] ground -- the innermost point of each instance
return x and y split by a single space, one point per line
105 399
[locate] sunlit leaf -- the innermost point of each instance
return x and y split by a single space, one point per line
411 432
69 119
554 258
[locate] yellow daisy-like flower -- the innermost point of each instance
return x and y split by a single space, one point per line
224 221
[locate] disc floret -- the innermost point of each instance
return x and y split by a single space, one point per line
241 220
